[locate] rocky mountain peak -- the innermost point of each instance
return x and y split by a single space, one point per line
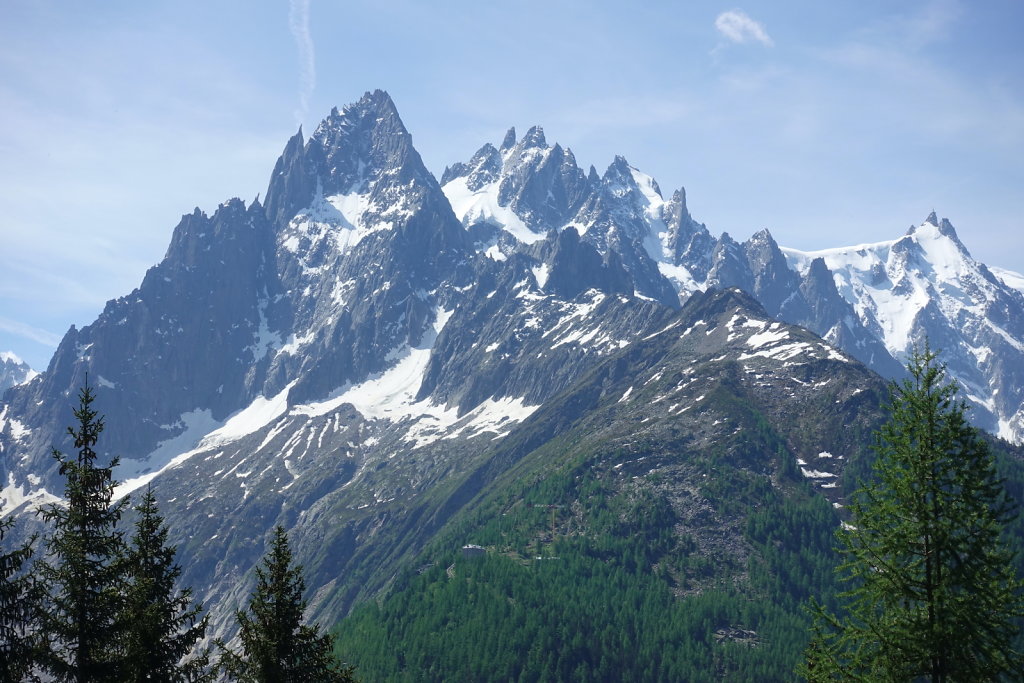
376 106
931 231
482 169
775 284
617 184
931 246
818 272
714 303
618 172
763 253
573 267
362 141
538 187
193 240
760 243
946 228
534 138
679 198
568 159
729 267
291 183
509 141
361 149
688 241
13 371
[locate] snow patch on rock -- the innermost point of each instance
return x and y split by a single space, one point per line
481 206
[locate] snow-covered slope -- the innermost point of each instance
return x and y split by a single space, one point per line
13 371
926 287
873 301
1009 278
514 195
508 196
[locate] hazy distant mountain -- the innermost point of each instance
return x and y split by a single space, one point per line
926 287
13 370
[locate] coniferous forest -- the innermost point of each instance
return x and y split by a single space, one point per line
98 604
569 576
608 603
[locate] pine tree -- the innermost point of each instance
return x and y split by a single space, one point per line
84 573
163 624
18 610
276 646
932 591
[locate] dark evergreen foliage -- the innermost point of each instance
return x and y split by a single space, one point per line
18 610
276 646
599 588
84 572
932 591
164 625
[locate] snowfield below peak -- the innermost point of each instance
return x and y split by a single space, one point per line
890 283
13 496
1009 278
925 286
330 225
481 206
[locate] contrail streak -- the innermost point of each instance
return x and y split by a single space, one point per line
298 22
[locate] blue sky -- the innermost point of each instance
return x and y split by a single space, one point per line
827 123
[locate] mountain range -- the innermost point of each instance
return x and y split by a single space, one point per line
374 359
13 370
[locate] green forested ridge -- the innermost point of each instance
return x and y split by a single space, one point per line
678 558
611 596
686 541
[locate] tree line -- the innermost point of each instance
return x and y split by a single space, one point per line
99 606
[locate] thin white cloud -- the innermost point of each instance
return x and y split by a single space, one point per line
740 28
298 22
37 335
935 21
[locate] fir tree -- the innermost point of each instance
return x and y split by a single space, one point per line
84 572
18 610
276 646
163 623
933 594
